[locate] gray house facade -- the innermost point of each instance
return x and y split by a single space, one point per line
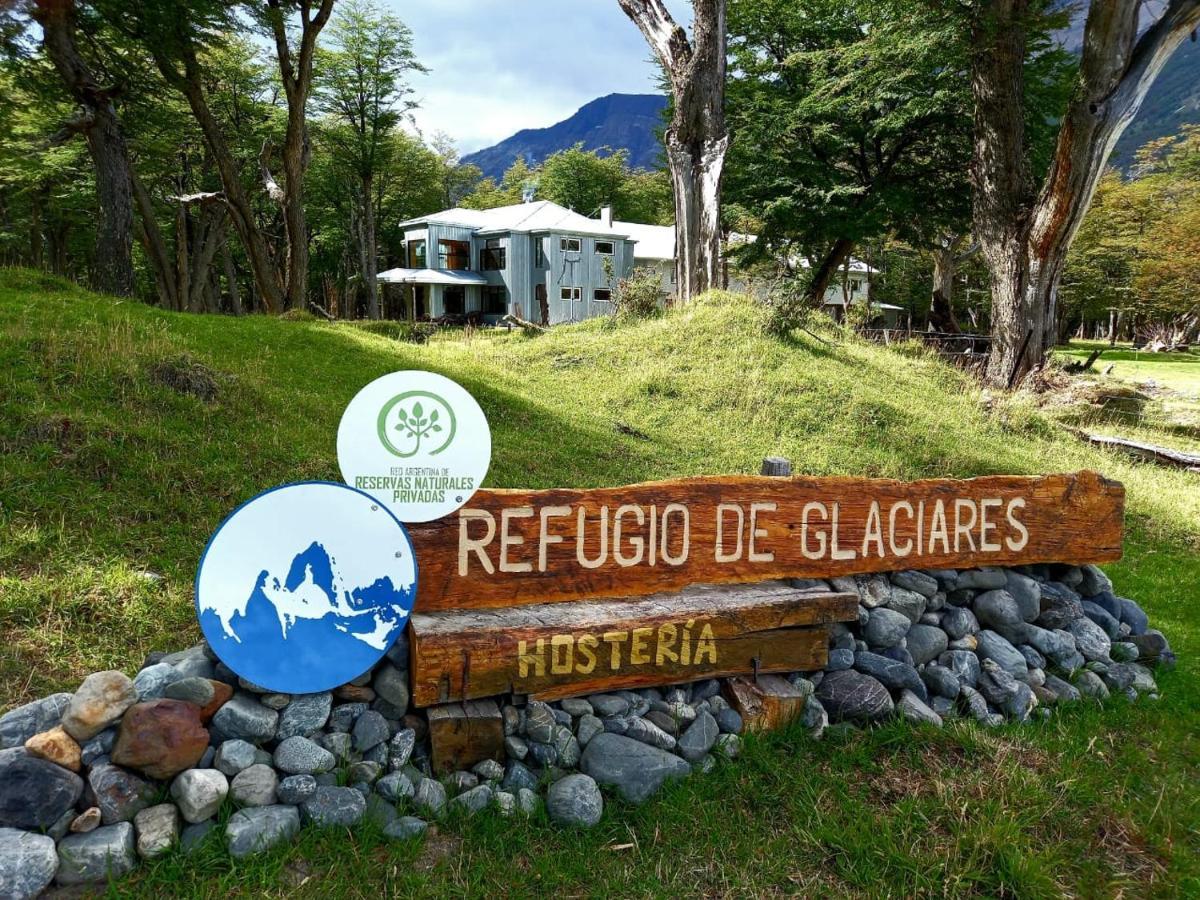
538 261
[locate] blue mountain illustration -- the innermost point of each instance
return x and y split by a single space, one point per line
309 630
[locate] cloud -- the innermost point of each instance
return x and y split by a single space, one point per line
497 67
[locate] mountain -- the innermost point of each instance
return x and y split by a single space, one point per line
619 121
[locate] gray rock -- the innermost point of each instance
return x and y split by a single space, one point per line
873 590
925 643
567 747
1090 639
488 770
260 828
1132 615
27 863
1026 592
609 704
1108 602
1152 646
840 660
157 829
473 801
908 603
430 797
912 580
121 795
34 793
370 729
343 716
1060 606
728 746
99 746
1089 684
575 801
392 685
635 769
1123 651
814 718
540 722
997 610
193 836
1119 677
1093 581
331 806
886 627
517 775
958 622
729 721
1033 659
527 801
1100 616
576 707
461 781
405 828
665 721
648 733
152 681
400 748
244 717
891 673
1013 698
192 689
993 646
1143 680
940 681
515 747
912 708
255 786
295 789
854 696
96 856
983 579
589 727
304 716
963 663
234 756
542 755
395 786
199 793
977 707
699 737
20 724
300 756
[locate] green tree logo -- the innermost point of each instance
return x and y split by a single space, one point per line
414 421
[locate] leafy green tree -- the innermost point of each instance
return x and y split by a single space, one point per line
362 90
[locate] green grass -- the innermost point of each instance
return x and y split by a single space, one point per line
106 472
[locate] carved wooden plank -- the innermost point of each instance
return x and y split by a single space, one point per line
510 548
463 734
766 704
559 650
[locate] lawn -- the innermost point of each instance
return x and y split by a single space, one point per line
109 471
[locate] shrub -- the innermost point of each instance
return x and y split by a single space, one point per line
638 296
785 308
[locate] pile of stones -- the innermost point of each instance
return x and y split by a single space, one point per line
184 752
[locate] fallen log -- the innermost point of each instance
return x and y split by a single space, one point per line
1164 456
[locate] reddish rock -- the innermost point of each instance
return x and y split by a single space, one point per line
161 738
222 694
351 693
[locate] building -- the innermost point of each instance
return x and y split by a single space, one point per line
536 260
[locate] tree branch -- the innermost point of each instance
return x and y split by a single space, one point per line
666 37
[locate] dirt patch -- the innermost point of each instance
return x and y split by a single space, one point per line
185 375
437 847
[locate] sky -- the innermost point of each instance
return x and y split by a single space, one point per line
497 66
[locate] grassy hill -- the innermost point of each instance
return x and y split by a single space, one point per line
128 433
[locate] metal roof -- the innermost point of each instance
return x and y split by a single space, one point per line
431 276
541 215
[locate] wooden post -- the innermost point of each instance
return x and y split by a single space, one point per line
766 703
463 734
776 466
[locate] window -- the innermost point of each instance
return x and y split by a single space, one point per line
416 255
572 293
495 301
570 245
454 301
494 256
454 254
602 294
605 248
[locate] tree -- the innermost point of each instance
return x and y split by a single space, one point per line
99 124
361 89
851 123
1026 229
696 139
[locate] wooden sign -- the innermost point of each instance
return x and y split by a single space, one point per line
565 649
512 548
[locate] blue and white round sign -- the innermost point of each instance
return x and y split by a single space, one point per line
306 586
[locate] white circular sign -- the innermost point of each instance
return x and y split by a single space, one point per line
306 586
417 442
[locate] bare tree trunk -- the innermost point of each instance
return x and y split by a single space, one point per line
231 282
36 238
1025 236
210 234
941 304
696 140
183 280
296 73
113 262
153 243
370 258
823 273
